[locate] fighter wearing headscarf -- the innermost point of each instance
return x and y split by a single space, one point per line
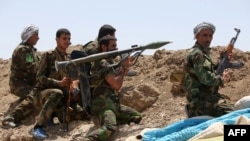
24 65
201 82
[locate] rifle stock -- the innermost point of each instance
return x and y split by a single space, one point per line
225 56
67 99
66 110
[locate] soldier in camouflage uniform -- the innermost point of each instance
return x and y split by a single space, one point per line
201 82
105 105
24 64
92 46
52 84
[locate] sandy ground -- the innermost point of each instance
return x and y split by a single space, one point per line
165 106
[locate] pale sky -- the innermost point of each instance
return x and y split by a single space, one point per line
137 21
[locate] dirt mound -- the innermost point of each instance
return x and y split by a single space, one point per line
150 92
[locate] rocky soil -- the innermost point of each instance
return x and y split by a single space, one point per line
150 92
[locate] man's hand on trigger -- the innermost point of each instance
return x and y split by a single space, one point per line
131 60
128 62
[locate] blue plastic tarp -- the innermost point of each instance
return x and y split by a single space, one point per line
185 129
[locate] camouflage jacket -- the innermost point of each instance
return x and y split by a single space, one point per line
47 75
200 79
99 71
24 65
91 47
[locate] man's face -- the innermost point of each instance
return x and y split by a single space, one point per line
33 39
63 41
204 37
112 46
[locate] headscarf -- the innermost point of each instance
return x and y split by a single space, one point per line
28 32
203 25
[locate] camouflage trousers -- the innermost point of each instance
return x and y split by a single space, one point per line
109 114
53 102
49 100
20 89
221 107
24 109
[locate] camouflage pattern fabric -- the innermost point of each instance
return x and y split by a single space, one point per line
91 47
49 99
49 93
76 112
22 79
24 65
24 109
105 105
47 75
202 85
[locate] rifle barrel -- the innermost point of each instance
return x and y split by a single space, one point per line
233 40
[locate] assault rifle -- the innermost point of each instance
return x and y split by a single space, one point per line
66 109
79 68
226 56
